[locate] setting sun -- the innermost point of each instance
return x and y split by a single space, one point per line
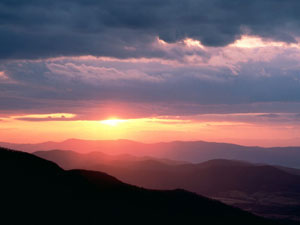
112 122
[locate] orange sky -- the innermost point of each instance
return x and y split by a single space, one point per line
145 130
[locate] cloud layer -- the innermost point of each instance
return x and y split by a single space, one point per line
263 79
129 28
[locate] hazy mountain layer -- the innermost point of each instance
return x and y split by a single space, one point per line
195 152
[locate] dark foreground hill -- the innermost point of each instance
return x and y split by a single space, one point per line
37 191
266 190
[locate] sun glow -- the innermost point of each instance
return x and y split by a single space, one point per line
112 122
35 128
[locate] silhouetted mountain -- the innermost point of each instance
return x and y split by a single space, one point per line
196 152
289 170
255 187
37 191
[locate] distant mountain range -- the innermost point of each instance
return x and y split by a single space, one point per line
37 191
263 189
196 151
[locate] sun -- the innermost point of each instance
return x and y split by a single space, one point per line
112 122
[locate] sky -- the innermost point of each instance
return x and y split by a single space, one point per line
150 70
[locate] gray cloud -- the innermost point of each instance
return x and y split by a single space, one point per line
142 88
269 115
34 119
128 28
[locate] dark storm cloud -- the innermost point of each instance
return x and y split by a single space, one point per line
127 28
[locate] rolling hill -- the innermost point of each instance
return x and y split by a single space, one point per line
262 189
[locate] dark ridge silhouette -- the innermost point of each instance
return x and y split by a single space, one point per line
289 170
191 151
262 189
37 191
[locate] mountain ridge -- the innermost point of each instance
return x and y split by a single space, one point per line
256 186
87 197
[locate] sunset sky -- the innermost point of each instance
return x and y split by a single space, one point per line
150 70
